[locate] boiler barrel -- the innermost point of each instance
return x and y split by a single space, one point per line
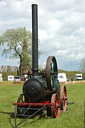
33 89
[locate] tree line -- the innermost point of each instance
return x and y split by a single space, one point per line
8 68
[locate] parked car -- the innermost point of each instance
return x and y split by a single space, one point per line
22 78
17 79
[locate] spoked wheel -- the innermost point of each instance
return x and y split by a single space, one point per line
55 109
21 99
63 98
51 73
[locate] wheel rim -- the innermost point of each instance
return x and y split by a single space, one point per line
55 110
21 99
51 73
63 98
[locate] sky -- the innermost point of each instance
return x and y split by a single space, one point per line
61 29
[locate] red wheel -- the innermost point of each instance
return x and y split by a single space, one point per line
55 110
63 98
21 99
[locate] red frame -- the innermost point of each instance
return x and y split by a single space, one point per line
35 104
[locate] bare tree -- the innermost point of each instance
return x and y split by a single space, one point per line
82 65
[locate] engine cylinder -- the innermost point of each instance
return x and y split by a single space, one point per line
33 89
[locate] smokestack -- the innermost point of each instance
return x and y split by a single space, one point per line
35 40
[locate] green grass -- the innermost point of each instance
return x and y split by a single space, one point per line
72 118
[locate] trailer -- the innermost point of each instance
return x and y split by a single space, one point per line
1 78
10 78
62 77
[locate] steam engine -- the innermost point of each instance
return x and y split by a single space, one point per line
38 87
42 89
35 88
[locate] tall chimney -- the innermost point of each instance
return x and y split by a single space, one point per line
35 40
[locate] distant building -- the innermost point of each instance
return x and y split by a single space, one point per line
62 77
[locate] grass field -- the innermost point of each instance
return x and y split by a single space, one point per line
72 118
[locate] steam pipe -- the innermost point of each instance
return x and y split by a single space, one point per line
34 40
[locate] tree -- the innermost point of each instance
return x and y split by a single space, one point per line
82 65
18 44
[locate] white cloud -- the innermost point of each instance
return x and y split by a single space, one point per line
61 52
54 25
42 34
2 3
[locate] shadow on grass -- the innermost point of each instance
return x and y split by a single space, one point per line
12 116
9 113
